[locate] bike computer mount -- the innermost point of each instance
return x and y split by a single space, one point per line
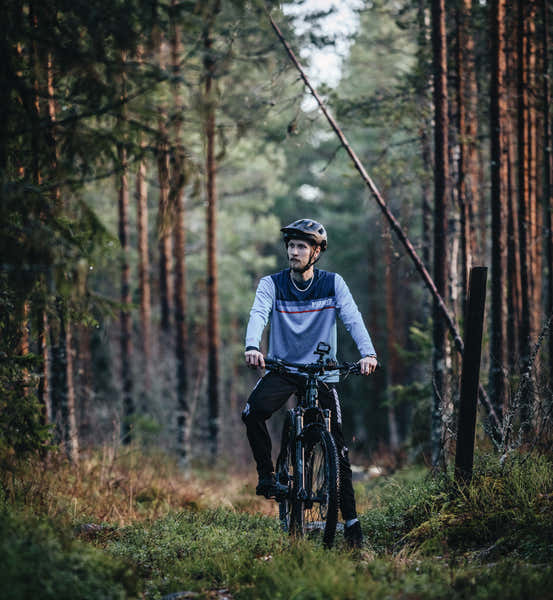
322 349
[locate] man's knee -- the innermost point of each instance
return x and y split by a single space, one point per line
250 415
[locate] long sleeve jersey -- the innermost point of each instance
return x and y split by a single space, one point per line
300 319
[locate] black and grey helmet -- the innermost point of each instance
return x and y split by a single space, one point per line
306 229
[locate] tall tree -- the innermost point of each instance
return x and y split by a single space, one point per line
212 278
125 317
498 187
164 221
523 187
441 176
178 182
63 389
467 102
392 358
547 168
141 196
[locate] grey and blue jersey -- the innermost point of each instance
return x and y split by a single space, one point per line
300 319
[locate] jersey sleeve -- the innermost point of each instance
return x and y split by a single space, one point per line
351 317
260 312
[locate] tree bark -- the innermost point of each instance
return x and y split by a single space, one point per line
548 172
392 357
164 230
164 227
178 182
44 381
63 390
441 174
144 273
523 193
125 315
212 275
467 95
498 188
535 214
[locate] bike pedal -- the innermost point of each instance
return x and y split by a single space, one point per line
278 492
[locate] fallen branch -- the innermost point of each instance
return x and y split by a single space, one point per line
394 224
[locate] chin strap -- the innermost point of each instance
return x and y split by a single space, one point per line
310 262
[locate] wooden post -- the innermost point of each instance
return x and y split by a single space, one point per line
474 321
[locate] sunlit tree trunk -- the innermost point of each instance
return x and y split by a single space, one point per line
535 258
467 98
498 212
441 174
523 190
513 257
212 276
509 136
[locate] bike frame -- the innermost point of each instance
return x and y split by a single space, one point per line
308 403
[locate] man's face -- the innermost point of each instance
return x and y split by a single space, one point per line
299 253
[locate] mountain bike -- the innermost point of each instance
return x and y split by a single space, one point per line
307 470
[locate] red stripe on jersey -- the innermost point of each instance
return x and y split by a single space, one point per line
296 312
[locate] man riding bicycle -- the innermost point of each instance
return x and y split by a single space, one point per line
302 302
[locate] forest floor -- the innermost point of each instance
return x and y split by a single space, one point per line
131 525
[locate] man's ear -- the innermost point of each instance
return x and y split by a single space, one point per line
317 251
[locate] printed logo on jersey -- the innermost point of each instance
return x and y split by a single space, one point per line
309 306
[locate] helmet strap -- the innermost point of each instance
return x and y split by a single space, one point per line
310 262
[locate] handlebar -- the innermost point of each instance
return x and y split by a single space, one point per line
283 366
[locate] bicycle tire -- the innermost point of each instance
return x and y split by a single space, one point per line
322 485
286 473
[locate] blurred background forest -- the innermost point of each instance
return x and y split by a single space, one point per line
150 153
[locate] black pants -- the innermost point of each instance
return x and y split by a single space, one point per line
270 394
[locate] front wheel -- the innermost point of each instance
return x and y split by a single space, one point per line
322 484
286 476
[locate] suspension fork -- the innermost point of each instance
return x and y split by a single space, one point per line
299 450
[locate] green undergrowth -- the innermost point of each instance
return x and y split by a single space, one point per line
424 538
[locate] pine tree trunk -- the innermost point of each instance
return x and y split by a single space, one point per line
391 358
212 276
467 95
441 174
548 172
498 188
144 273
125 316
426 151
72 438
523 191
164 230
178 182
63 391
513 259
44 381
535 214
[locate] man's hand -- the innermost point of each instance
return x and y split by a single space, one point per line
368 365
254 359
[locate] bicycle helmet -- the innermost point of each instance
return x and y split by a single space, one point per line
306 229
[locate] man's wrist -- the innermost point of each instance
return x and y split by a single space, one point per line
248 348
